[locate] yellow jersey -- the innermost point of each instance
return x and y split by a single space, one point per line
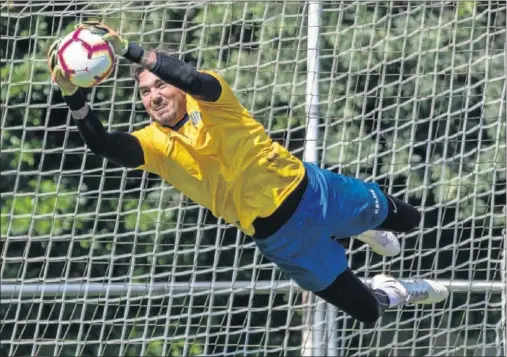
222 159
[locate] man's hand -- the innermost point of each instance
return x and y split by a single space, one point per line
57 74
119 45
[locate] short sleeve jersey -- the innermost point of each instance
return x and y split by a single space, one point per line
222 159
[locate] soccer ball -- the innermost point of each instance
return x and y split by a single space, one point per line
85 58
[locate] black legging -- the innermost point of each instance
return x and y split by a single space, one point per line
348 293
401 217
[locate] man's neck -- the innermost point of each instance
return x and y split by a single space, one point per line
178 124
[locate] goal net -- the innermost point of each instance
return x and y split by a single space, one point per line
98 260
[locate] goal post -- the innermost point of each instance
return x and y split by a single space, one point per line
99 260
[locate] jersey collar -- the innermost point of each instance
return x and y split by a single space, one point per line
178 124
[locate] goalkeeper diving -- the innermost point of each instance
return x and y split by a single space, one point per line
208 146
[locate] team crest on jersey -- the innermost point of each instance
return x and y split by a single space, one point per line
195 118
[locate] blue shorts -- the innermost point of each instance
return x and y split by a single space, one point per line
332 205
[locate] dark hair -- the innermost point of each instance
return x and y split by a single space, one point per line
136 69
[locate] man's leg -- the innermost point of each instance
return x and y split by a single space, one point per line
349 294
366 304
302 247
401 217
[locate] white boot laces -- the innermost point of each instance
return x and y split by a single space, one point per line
417 291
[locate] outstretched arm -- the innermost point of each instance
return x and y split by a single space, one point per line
177 73
170 69
121 148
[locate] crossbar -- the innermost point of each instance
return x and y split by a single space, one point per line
222 287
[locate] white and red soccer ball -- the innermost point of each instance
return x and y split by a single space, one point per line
85 58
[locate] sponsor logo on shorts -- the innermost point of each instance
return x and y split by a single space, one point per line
377 203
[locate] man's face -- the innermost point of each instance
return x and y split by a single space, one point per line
164 103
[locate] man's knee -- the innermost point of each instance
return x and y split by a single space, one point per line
370 313
366 309
413 217
401 217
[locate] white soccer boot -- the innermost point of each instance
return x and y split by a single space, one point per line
383 243
416 291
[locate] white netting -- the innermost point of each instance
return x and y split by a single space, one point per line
412 95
